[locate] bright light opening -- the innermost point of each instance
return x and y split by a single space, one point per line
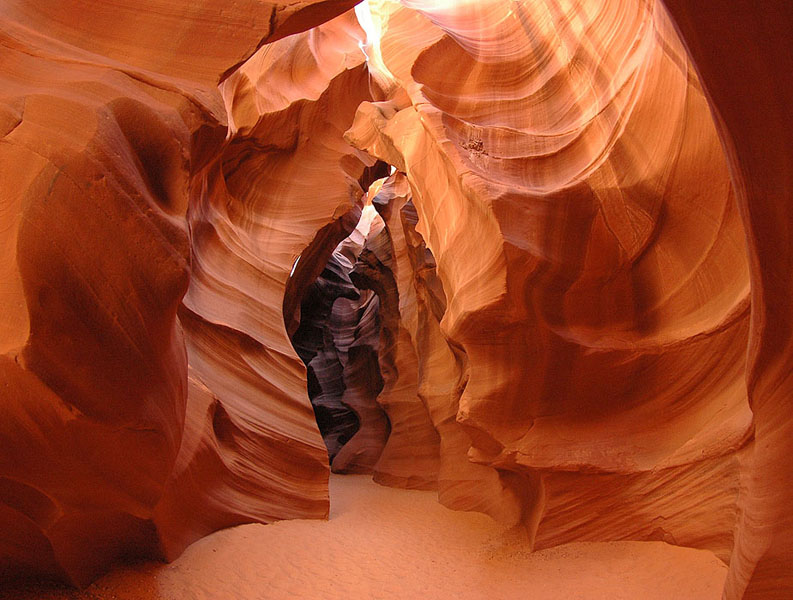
367 23
373 28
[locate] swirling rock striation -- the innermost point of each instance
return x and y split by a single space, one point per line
314 343
753 114
562 278
253 214
411 455
356 333
355 327
337 340
112 448
569 182
442 368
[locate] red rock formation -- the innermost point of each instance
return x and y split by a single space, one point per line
107 448
442 370
410 457
355 328
561 272
337 339
255 212
314 343
462 484
744 55
192 42
570 184
356 334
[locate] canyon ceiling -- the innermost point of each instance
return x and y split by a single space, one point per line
570 291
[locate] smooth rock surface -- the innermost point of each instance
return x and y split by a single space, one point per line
111 447
580 267
754 114
569 181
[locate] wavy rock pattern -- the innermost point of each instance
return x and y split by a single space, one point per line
195 42
355 327
314 343
110 447
561 272
462 485
754 115
410 457
356 333
573 161
338 339
255 212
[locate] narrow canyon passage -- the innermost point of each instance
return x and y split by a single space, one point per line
388 543
338 340
441 299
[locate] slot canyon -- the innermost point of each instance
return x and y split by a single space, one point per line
396 299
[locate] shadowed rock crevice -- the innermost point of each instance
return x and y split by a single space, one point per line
338 340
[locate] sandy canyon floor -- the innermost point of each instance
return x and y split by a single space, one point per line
389 543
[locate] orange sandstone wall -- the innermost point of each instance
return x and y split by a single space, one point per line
410 456
562 269
284 173
569 181
744 55
355 327
110 446
442 369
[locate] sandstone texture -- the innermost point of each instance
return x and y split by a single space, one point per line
570 184
531 255
754 115
410 457
338 339
112 445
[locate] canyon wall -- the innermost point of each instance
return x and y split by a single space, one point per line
569 181
253 209
442 369
754 115
410 456
111 446
583 237
338 339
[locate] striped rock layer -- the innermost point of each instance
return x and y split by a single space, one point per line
580 267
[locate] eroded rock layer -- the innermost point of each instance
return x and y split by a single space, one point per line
553 305
259 204
754 115
356 333
110 447
337 340
569 182
314 343
410 457
355 328
462 485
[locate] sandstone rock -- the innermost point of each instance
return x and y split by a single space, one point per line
754 113
355 329
410 457
192 42
362 382
570 184
557 291
254 213
315 345
462 484
108 450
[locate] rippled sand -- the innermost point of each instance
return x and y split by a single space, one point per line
389 543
